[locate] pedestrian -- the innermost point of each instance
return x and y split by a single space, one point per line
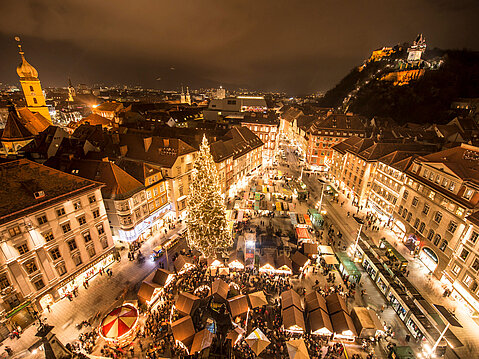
69 296
407 273
48 308
100 271
87 284
9 350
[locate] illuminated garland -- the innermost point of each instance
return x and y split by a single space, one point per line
207 226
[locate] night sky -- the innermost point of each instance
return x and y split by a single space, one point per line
294 46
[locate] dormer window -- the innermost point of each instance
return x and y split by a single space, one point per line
468 193
39 194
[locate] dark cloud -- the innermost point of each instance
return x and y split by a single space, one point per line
295 46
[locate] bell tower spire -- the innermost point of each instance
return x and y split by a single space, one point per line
31 86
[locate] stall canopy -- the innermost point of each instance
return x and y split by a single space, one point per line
293 319
257 299
266 263
219 289
257 341
183 330
314 300
366 322
348 267
294 221
310 249
183 263
302 233
343 324
186 303
325 249
291 298
215 262
201 341
307 220
162 277
299 259
238 305
330 260
146 291
283 262
297 349
335 303
236 260
319 322
235 335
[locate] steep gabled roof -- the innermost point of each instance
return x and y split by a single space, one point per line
35 122
237 141
14 129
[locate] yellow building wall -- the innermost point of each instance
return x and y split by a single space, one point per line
33 93
160 199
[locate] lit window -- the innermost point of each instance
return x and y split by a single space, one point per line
468 193
443 245
464 254
432 194
14 231
456 269
48 236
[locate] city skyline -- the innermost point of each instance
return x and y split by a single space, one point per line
297 50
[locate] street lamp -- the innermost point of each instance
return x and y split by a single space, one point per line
321 197
361 223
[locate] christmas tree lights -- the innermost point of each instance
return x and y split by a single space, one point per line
207 226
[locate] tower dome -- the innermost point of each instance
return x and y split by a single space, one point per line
25 70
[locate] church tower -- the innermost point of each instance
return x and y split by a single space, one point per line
71 91
32 89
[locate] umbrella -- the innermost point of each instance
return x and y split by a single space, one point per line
119 321
297 349
257 341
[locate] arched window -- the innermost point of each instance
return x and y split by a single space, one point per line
31 88
422 227
443 246
35 101
437 239
430 235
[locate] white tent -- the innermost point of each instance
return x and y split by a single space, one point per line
257 341
297 349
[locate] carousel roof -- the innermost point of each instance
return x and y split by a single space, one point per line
119 321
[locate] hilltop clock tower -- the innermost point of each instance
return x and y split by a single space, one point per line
31 86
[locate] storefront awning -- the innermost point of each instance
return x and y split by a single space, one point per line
302 233
17 309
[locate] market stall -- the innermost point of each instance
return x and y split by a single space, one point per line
257 299
314 301
343 326
291 298
238 306
366 322
257 341
201 341
267 264
293 320
283 264
119 327
183 264
186 303
302 234
219 290
300 261
183 332
319 322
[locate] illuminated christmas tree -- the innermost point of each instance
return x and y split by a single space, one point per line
207 226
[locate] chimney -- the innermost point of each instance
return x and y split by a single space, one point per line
123 150
147 143
166 142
